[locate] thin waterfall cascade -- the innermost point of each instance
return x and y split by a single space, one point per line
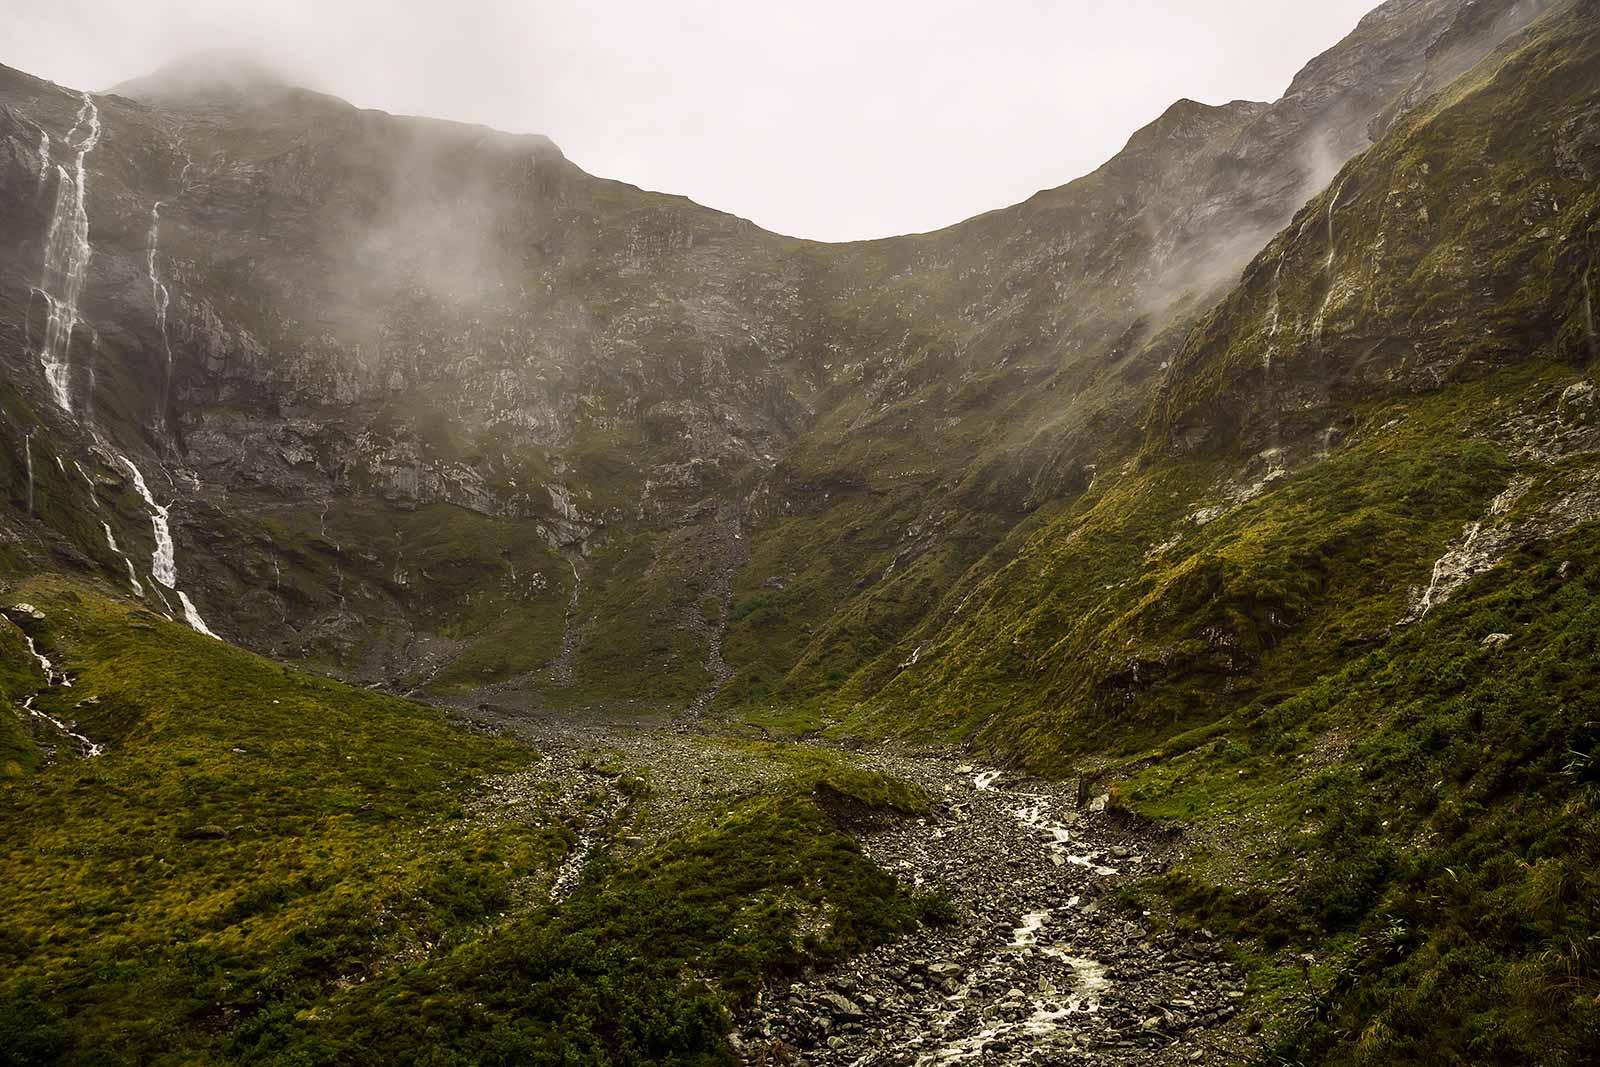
1333 210
44 155
133 575
66 257
57 679
1588 311
1333 248
163 564
27 452
191 615
51 675
161 299
90 748
160 295
1277 302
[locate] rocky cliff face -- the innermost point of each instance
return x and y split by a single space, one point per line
431 406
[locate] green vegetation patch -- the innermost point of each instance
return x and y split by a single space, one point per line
252 837
1426 821
644 962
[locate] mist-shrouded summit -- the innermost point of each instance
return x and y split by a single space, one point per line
219 76
850 123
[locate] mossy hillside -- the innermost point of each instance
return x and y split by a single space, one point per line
644 962
1121 620
826 593
1433 808
492 585
638 644
1118 622
251 836
20 676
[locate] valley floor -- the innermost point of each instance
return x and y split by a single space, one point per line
1036 963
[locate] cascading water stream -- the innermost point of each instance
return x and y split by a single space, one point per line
1333 248
27 451
90 748
50 675
163 565
133 575
1588 312
161 299
67 253
44 155
66 257
160 296
54 679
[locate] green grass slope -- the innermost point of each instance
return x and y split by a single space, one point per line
1428 820
268 866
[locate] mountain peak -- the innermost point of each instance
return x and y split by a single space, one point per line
212 76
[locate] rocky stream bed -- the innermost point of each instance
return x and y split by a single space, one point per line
1039 966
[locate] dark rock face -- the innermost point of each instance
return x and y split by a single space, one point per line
326 324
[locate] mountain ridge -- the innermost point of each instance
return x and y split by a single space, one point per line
1245 486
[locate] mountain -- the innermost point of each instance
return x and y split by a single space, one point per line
1249 480
621 396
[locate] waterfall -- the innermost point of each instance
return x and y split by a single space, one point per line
44 155
1333 247
163 565
90 749
1588 311
93 496
1333 208
160 298
45 665
192 616
27 451
66 257
133 576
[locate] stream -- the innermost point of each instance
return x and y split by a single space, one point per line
1040 968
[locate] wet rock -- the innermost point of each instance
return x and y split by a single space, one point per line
840 1006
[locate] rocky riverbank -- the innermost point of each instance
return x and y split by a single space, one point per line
1037 964
1037 968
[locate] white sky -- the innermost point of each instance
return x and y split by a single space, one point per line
832 119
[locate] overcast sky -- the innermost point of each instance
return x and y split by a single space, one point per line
833 119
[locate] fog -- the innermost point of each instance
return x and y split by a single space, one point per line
829 119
